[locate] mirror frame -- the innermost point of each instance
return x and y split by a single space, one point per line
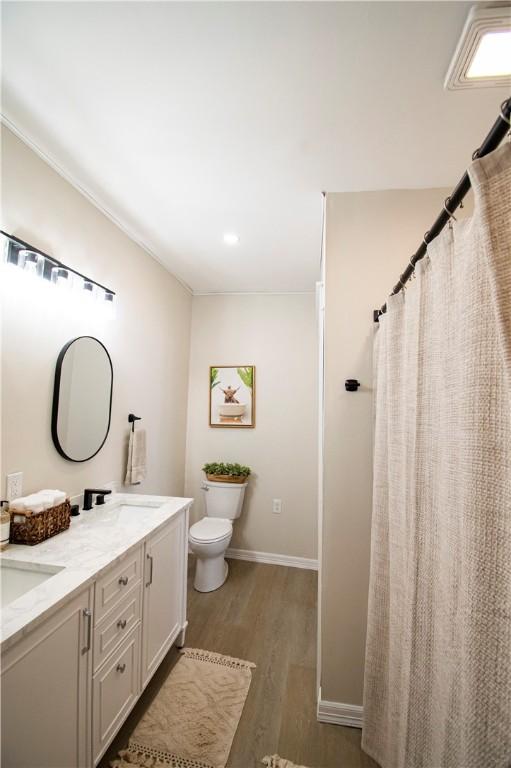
56 396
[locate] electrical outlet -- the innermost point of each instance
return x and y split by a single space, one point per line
14 486
277 506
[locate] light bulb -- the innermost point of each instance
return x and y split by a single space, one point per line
31 261
60 277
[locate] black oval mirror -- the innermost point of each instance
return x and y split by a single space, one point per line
82 399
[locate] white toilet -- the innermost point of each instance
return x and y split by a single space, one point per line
210 537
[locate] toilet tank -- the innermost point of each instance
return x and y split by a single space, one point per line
223 499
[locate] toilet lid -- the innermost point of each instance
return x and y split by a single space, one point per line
211 529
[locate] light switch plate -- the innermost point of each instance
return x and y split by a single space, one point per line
14 485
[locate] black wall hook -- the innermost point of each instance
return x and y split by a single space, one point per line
351 385
132 419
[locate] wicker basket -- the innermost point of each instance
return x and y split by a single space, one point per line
38 527
227 478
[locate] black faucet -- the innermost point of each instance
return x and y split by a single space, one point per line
89 493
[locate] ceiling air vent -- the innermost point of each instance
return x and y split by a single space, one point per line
483 56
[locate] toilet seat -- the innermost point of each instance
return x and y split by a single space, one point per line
210 529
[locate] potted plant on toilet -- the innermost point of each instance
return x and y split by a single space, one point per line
220 472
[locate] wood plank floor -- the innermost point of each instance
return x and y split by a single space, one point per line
265 614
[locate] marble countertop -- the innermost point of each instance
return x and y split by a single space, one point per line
94 541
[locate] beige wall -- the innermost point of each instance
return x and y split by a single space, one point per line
276 333
148 338
369 238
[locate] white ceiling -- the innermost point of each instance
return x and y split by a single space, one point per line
188 120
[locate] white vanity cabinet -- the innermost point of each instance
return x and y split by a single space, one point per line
116 648
69 683
164 610
140 609
46 691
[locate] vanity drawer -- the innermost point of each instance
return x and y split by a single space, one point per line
114 585
116 625
115 689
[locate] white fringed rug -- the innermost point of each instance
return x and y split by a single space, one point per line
274 761
192 721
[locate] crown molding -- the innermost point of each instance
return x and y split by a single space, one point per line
49 160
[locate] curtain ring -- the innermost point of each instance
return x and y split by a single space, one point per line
446 209
503 116
424 238
475 154
449 213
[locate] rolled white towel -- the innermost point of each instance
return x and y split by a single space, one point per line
53 497
48 499
36 502
18 505
56 496
60 497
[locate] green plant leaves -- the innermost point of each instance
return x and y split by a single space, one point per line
213 374
246 374
221 468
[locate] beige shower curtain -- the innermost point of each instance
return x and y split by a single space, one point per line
438 657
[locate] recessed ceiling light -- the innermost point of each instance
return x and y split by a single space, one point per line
231 238
483 55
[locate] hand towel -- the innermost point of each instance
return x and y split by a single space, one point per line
137 462
54 495
34 503
18 505
37 502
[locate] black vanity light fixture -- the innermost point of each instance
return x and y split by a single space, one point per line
21 254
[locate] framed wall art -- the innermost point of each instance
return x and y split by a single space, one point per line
232 396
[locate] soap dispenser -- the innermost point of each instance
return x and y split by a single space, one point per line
5 525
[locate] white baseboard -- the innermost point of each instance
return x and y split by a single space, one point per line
336 713
271 558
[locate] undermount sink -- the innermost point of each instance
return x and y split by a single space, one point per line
17 578
117 514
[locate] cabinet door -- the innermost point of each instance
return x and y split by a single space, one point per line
163 608
115 690
46 692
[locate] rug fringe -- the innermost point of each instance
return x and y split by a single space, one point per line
217 658
141 756
274 761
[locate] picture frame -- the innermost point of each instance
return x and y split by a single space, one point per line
232 396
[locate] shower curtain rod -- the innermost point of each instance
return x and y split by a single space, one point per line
497 133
